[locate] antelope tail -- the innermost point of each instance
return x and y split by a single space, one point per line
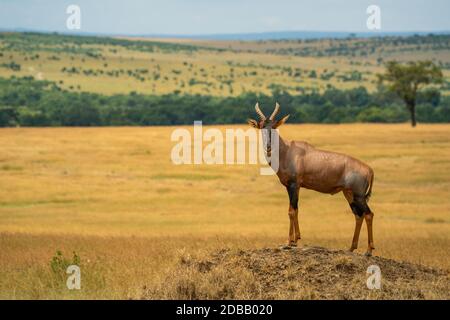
369 190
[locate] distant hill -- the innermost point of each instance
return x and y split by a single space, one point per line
254 36
289 35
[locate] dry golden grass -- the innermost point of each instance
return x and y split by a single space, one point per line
113 196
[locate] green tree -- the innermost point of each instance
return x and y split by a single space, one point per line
8 116
407 79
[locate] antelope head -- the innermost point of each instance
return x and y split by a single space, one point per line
267 124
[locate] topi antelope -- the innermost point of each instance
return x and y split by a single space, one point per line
302 165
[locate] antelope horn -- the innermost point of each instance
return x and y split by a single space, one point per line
275 112
259 112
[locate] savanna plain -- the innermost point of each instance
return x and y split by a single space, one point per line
111 200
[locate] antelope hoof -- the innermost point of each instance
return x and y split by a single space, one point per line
351 249
369 251
289 246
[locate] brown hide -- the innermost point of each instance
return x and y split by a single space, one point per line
320 170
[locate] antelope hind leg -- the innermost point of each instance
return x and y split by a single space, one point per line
369 219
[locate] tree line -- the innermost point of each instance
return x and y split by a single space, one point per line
29 102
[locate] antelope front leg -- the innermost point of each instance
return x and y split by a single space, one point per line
296 226
294 230
358 223
292 240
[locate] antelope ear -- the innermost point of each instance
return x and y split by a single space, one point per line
253 123
280 122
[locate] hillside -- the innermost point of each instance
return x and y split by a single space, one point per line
303 273
219 68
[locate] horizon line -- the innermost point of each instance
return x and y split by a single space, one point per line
231 36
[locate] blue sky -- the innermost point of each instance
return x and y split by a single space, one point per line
231 16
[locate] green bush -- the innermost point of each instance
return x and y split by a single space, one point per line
28 102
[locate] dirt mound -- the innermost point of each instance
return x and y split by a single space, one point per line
303 273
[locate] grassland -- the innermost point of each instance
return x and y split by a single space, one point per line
154 66
113 196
